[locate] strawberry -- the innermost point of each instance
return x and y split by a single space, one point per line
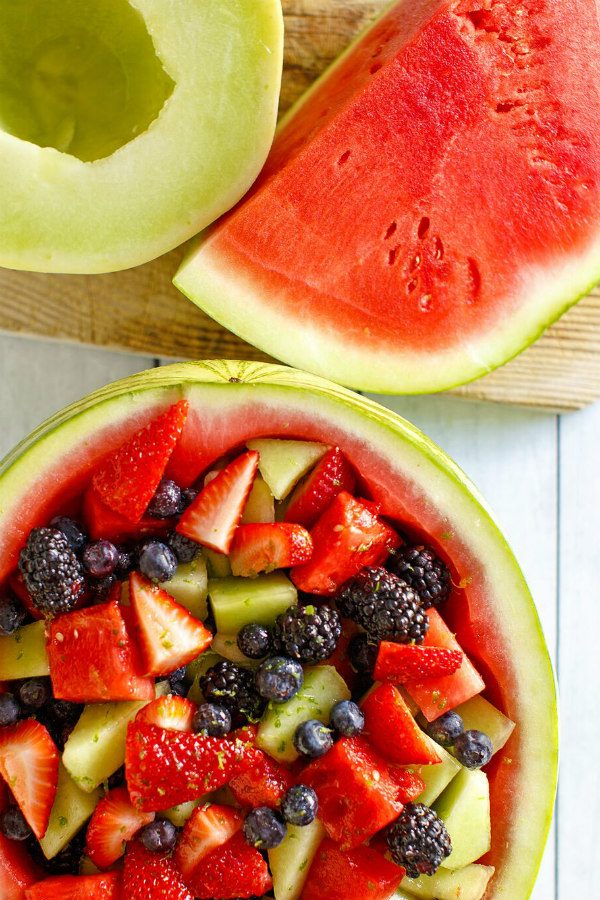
263 547
208 827
104 523
214 515
262 785
128 479
408 662
17 870
169 634
150 876
165 768
29 765
332 474
114 822
93 659
409 784
393 731
346 538
336 874
234 870
171 712
77 887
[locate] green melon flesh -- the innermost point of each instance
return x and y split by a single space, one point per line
291 861
72 808
465 808
261 503
189 586
238 601
125 128
323 686
416 483
436 777
226 646
469 883
217 564
283 463
480 714
179 814
95 749
23 653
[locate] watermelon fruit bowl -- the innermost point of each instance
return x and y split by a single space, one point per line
301 500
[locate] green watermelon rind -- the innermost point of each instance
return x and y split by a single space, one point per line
214 385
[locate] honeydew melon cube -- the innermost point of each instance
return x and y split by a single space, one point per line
238 601
87 867
189 586
469 883
323 686
479 713
261 504
290 862
217 563
436 777
71 809
95 749
283 463
179 814
465 808
226 645
23 654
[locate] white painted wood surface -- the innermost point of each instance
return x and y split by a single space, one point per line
539 472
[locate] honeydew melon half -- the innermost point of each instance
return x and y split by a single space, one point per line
127 126
416 483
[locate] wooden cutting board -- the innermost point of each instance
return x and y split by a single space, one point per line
140 311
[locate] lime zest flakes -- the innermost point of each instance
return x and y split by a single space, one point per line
309 610
63 821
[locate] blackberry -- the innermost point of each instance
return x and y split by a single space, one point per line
418 840
309 634
212 720
12 614
159 836
347 718
254 641
52 573
363 654
72 530
184 549
100 558
279 679
299 805
420 568
13 824
313 739
157 561
264 829
386 607
227 684
446 729
10 710
166 502
473 749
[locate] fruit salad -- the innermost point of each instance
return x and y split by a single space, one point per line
244 688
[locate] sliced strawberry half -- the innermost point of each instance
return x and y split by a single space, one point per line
405 662
208 827
168 633
128 479
262 785
93 659
214 515
114 822
78 887
17 870
261 547
151 876
332 474
165 768
104 523
171 712
29 765
347 537
392 730
235 870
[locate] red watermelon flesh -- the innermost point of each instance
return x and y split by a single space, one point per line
429 207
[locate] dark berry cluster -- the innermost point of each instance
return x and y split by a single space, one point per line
418 840
425 572
229 685
52 572
385 606
309 634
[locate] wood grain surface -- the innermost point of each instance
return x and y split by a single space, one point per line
140 311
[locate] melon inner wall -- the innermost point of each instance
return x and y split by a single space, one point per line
81 76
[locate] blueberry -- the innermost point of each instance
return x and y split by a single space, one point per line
12 614
264 829
13 824
65 710
184 549
254 641
72 530
125 563
166 502
299 805
188 495
362 653
100 558
473 749
117 779
101 588
34 693
159 836
177 675
446 729
178 688
157 561
9 710
279 678
347 718
313 739
212 720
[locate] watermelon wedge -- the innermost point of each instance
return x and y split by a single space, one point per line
417 486
429 207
